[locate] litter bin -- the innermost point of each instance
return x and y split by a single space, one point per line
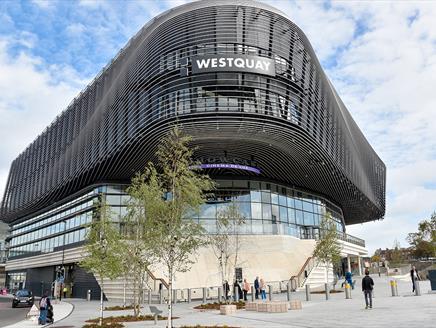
432 277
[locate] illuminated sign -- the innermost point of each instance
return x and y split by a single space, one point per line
227 166
233 63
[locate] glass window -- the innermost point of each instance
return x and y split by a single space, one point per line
274 198
208 211
298 204
307 207
256 211
275 213
255 196
243 197
244 209
283 214
309 218
266 212
282 200
299 217
290 201
113 199
266 197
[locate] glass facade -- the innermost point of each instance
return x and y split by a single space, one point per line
267 208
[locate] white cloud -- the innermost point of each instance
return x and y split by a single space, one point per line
32 95
380 56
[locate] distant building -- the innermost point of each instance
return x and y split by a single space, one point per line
271 130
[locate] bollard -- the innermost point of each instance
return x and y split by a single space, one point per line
270 291
149 296
189 295
252 293
88 295
280 286
236 294
393 292
204 295
327 291
220 294
160 296
288 291
417 288
347 291
308 297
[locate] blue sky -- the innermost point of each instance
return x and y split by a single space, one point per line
380 56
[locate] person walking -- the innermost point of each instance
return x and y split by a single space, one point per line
246 289
262 288
237 289
349 279
44 304
414 275
257 287
226 289
367 287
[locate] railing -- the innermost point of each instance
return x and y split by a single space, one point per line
309 232
299 280
351 239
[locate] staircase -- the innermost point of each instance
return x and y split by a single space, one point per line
114 289
312 273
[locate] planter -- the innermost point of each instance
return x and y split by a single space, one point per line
228 309
295 305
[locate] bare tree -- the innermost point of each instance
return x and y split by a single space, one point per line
226 243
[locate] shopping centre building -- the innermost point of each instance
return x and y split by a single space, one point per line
271 130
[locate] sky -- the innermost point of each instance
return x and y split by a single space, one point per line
379 55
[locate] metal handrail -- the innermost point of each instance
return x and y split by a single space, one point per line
304 272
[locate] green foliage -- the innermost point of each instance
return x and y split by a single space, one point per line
424 241
164 196
103 246
327 249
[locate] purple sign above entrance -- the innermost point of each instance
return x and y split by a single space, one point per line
228 166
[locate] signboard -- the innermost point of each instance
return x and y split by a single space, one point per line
233 63
228 166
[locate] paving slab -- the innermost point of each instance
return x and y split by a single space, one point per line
405 310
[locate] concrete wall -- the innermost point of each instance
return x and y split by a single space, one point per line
274 258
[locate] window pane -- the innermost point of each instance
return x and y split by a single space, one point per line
299 217
256 211
266 197
266 212
283 214
208 211
274 198
255 196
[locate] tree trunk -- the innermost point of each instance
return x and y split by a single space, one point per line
170 297
101 300
124 292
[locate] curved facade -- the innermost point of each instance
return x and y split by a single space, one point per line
243 80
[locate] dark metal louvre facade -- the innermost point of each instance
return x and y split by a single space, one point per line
293 124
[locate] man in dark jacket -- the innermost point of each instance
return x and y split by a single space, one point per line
257 287
414 276
367 286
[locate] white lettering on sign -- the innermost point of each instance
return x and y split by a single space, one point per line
258 64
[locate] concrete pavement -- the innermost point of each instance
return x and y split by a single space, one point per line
403 311
60 309
9 315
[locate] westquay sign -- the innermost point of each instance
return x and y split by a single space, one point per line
233 63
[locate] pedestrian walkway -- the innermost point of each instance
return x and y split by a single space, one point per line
61 310
388 311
